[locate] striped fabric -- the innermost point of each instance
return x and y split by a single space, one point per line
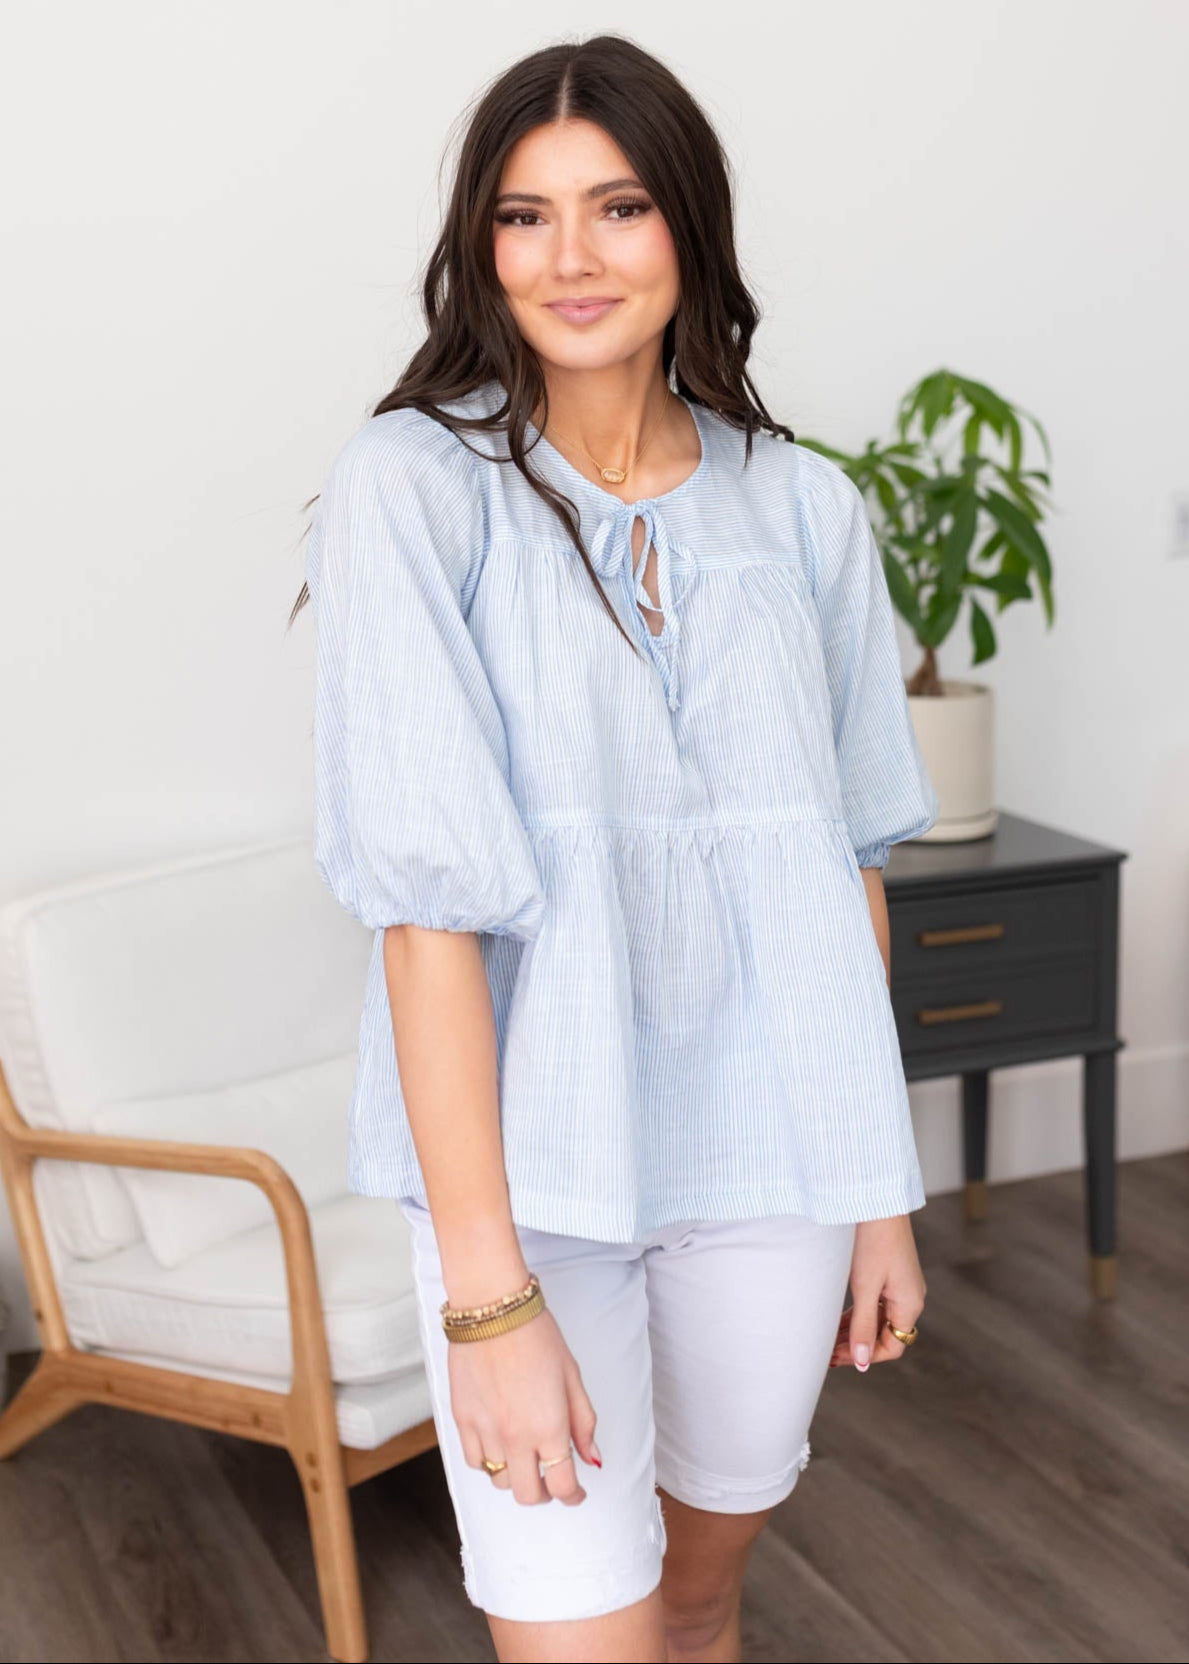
660 850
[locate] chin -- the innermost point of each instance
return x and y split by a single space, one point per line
569 353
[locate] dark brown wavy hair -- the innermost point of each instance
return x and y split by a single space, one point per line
471 336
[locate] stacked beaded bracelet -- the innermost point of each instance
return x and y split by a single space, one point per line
481 1322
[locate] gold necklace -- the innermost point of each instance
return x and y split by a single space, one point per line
616 476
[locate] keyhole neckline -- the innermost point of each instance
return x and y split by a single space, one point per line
622 503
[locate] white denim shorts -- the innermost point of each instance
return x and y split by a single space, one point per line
703 1350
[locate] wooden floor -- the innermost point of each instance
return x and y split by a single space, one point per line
1017 1487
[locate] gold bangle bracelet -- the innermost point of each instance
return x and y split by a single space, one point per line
486 1327
470 1314
459 1320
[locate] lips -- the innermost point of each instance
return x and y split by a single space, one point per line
582 311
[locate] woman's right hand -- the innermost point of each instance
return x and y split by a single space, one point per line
519 1398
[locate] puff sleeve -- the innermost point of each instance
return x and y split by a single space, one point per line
886 792
414 818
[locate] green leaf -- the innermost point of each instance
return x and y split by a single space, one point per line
996 411
902 591
908 476
914 400
958 540
886 493
938 402
982 633
939 617
934 483
1016 444
1014 563
1046 595
1020 532
1006 587
1020 491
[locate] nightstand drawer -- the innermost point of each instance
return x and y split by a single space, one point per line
999 1003
941 935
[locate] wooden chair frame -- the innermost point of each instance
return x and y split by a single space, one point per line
303 1420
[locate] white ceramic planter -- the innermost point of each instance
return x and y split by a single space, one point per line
956 733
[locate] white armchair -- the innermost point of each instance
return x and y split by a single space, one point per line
177 1045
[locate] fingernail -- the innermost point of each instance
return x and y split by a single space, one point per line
594 1454
862 1356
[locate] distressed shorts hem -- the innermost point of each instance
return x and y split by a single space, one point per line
529 1595
722 1495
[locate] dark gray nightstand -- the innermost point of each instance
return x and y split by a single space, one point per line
1005 950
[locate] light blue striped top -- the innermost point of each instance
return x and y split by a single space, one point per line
660 852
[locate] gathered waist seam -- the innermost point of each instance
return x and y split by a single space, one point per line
549 823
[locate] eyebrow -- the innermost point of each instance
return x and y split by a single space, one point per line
595 190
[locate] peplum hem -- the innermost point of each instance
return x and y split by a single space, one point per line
702 1028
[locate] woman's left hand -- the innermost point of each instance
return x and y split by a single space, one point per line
886 1281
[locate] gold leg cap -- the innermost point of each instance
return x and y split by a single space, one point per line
974 1199
1104 1275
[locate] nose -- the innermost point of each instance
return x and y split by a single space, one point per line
574 252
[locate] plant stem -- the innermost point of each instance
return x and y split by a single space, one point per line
925 678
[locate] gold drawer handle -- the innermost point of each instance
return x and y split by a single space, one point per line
963 933
955 1013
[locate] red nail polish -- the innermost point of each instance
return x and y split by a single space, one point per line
596 1462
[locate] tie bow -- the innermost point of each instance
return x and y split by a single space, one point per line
612 558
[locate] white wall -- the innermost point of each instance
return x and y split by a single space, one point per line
210 245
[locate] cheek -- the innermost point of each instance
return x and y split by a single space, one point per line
649 260
517 264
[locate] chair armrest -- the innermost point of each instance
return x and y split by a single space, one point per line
225 1161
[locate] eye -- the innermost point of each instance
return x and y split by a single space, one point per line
510 216
637 206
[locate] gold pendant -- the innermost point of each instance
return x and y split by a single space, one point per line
614 476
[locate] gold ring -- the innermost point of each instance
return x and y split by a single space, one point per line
493 1467
554 1460
904 1336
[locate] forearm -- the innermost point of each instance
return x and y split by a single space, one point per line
877 901
444 1031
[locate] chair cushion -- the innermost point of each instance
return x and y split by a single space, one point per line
369 1413
173 977
227 1309
299 1116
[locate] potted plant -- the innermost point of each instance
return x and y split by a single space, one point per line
948 528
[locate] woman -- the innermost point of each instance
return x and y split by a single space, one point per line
611 744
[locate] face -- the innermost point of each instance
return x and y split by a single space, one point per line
574 225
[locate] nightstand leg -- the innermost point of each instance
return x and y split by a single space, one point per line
975 1089
1098 1110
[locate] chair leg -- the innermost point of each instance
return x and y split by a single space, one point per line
323 1477
43 1400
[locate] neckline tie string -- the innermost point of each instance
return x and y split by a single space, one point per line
611 556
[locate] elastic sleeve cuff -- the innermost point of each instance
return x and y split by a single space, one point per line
873 855
525 923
